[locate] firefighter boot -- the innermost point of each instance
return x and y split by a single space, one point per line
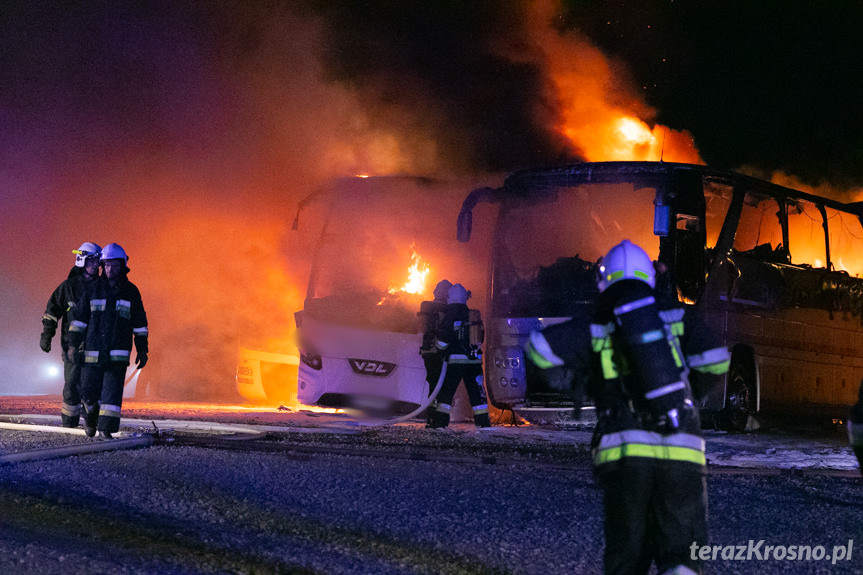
91 418
440 420
855 433
481 419
70 415
429 413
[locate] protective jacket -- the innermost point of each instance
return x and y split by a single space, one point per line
453 336
110 319
642 349
62 301
855 428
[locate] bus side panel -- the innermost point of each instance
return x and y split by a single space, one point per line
804 356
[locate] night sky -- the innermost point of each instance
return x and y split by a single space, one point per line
775 85
188 131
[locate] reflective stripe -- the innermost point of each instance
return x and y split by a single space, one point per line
98 304
443 407
664 390
651 336
50 317
672 315
119 354
651 437
91 356
599 331
478 409
70 410
440 344
77 326
634 305
649 444
109 410
141 331
717 355
675 351
609 367
540 346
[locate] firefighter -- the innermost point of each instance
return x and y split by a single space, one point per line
855 428
83 273
462 360
108 319
647 449
431 315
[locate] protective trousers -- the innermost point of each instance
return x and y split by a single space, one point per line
471 373
70 411
654 510
434 365
102 387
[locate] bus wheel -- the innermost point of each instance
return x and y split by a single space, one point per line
740 400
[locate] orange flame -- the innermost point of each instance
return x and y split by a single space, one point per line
417 275
601 114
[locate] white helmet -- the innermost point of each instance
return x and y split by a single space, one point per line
114 252
86 251
625 261
457 294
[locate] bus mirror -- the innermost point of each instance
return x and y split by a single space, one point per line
661 220
464 225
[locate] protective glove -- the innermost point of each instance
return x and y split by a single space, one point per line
141 360
45 341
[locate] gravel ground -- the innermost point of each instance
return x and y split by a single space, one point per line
390 500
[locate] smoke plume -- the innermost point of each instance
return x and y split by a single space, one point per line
188 133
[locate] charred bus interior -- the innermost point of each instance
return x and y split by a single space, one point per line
774 270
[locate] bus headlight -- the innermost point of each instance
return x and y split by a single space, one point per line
508 362
312 360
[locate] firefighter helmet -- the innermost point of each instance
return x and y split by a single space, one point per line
625 261
114 252
442 289
457 294
86 251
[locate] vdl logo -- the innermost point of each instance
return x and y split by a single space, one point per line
371 367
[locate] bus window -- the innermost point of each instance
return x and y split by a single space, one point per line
806 234
759 230
846 242
717 197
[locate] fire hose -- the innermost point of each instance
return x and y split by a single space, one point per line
146 438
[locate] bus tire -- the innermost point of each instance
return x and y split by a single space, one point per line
741 397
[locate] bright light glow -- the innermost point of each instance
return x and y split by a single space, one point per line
52 370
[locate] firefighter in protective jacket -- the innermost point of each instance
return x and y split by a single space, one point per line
855 428
431 315
648 450
462 360
109 318
83 274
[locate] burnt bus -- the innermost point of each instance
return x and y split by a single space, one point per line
774 270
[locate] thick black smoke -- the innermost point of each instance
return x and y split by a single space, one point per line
462 73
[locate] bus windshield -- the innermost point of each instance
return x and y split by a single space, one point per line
547 244
383 245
